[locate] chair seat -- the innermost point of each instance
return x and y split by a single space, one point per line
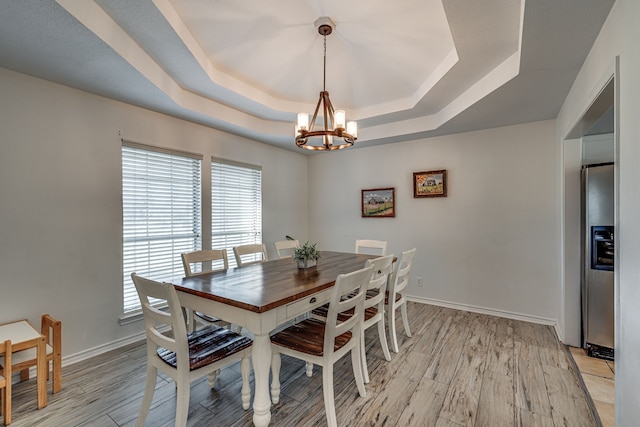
208 345
321 311
324 309
374 292
308 337
25 355
368 313
206 317
386 298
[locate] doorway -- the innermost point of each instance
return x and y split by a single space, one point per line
593 140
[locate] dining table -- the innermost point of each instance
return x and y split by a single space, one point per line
260 298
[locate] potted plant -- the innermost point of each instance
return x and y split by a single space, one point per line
306 255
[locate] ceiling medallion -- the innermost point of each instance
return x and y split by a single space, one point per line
333 120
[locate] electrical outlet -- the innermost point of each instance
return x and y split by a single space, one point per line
419 281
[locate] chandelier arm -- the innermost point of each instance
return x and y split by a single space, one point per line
331 111
327 119
315 112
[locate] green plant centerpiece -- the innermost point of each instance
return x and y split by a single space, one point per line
306 255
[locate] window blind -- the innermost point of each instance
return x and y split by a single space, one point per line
236 199
161 212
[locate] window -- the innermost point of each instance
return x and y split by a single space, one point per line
161 213
236 200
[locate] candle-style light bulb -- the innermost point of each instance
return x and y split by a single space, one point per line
352 129
339 117
303 121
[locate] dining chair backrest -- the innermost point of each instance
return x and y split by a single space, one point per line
374 305
396 296
5 381
382 270
348 294
206 260
250 254
285 248
157 320
400 276
371 247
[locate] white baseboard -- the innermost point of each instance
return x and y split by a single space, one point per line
490 311
91 352
95 351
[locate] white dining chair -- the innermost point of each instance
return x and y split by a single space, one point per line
324 343
250 254
184 357
373 308
285 248
396 296
201 262
374 305
204 261
371 247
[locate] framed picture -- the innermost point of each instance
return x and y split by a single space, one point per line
430 184
378 203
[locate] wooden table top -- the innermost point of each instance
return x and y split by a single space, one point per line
265 286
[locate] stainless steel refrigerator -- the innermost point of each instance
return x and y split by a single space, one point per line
597 260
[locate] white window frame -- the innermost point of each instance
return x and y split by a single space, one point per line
162 214
236 205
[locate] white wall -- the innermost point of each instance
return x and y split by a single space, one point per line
570 319
619 38
598 149
489 245
60 201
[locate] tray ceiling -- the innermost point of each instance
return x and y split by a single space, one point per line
404 70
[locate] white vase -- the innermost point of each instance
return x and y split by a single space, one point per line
306 263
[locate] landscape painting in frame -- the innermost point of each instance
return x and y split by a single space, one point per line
378 203
430 184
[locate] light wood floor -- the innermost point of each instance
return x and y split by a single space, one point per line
458 369
599 378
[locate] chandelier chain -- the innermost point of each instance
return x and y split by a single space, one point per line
324 70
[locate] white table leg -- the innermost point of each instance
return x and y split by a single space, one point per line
261 358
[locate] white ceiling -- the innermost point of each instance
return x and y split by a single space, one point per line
405 69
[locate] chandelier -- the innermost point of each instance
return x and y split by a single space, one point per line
333 120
